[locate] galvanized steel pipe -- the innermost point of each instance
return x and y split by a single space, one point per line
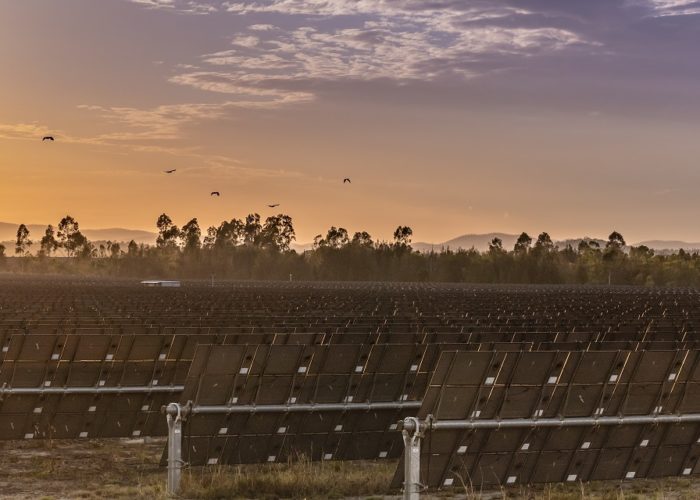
305 407
434 425
148 389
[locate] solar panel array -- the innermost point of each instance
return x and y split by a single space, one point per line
478 313
235 375
507 352
497 385
42 377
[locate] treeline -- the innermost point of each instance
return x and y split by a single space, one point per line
251 248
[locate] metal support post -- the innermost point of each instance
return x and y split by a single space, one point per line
411 464
173 413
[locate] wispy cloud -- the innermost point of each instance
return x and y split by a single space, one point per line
242 90
184 6
374 51
166 122
396 40
482 8
147 129
667 8
267 66
36 131
163 122
157 126
476 9
22 131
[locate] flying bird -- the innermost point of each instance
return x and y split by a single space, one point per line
47 138
347 180
215 193
275 205
170 171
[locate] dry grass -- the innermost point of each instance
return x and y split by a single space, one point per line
127 469
659 489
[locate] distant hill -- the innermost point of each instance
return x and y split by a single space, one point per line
478 241
481 243
8 232
120 234
669 245
301 247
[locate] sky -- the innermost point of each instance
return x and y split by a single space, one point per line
450 116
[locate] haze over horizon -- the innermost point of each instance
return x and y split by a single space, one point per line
575 118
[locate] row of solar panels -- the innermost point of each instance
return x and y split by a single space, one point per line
354 314
171 348
647 328
32 302
87 360
291 324
460 383
476 385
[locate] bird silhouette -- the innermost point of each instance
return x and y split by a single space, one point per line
215 193
275 205
47 138
170 171
347 180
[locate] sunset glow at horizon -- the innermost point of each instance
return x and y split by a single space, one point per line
575 118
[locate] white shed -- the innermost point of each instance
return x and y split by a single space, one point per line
161 283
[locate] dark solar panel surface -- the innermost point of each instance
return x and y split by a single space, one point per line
500 385
507 352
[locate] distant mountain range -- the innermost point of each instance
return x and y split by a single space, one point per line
8 232
669 245
481 243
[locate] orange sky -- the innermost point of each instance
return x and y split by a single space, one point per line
478 120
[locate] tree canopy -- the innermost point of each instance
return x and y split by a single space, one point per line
250 248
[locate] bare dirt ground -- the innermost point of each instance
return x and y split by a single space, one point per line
80 469
130 469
